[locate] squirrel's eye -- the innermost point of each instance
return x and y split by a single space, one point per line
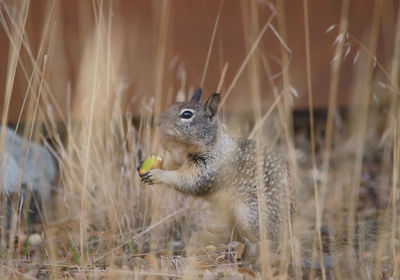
186 114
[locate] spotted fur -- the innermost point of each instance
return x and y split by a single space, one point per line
224 170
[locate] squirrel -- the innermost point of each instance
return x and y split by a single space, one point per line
224 170
210 164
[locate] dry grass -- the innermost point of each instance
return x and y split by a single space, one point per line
102 222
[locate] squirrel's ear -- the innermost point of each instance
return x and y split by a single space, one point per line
211 106
197 95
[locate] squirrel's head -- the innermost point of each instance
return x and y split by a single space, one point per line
191 122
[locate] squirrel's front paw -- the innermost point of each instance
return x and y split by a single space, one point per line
154 176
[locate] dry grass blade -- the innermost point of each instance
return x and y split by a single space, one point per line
260 123
203 77
246 60
318 216
83 222
394 80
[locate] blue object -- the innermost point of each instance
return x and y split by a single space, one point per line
35 171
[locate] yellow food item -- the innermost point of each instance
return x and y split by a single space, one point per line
151 162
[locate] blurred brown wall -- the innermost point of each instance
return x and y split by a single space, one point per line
189 32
